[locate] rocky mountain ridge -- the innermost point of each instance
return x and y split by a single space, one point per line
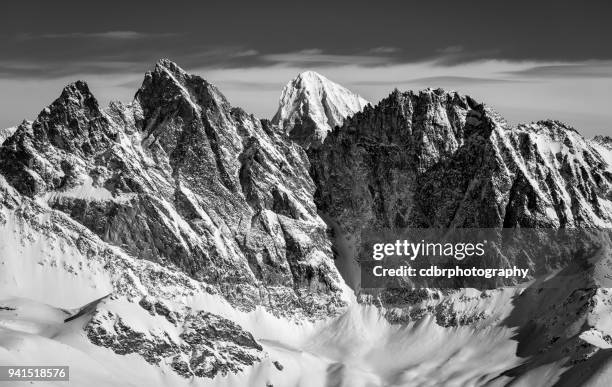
437 159
168 177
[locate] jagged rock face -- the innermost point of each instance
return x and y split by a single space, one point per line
197 344
570 178
374 159
437 159
311 105
50 152
181 178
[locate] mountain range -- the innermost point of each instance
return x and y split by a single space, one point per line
178 240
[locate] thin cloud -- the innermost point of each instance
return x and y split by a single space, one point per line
457 55
384 50
450 50
253 85
246 53
30 70
110 35
129 60
589 69
439 80
317 57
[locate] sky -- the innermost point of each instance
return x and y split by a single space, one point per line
529 60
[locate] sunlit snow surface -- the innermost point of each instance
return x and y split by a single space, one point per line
357 349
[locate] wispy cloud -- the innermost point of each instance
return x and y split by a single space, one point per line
317 57
246 53
588 69
111 35
133 58
456 55
378 56
384 50
30 70
450 50
435 81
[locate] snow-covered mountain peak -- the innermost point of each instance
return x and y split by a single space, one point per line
311 105
310 76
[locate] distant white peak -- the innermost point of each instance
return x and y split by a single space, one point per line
603 140
312 76
8 132
317 105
